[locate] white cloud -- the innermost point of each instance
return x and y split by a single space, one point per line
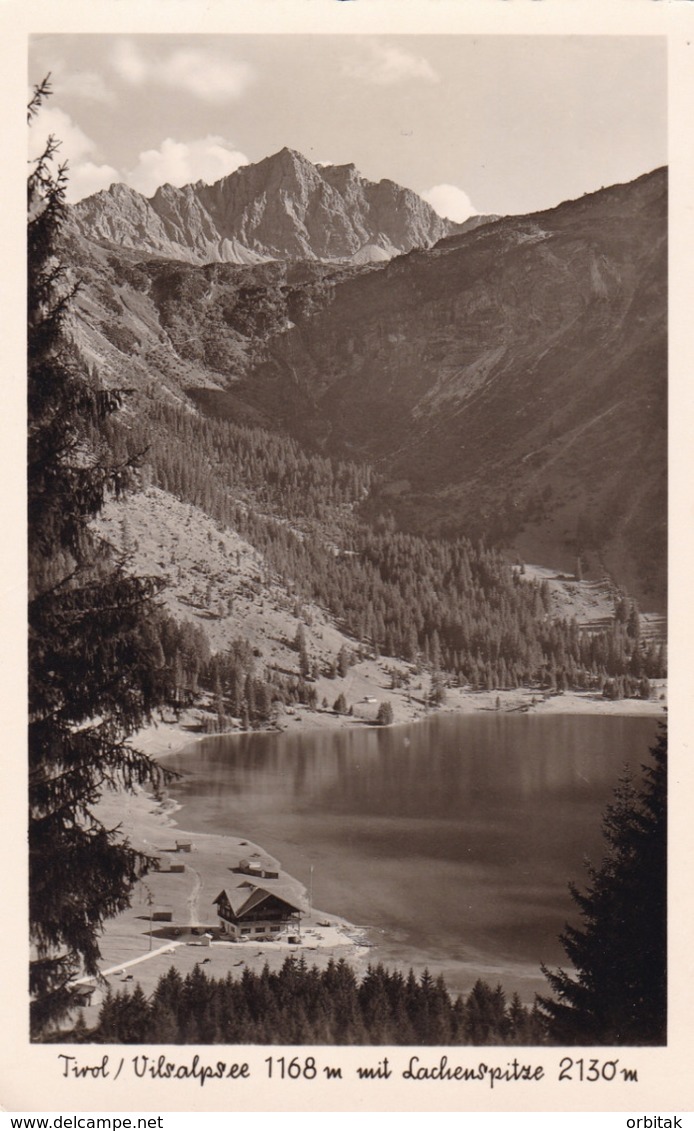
89 85
451 202
85 176
384 64
181 163
74 143
174 162
129 63
203 74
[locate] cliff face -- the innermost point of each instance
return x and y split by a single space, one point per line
509 382
281 208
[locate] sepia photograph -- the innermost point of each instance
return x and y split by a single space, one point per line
347 519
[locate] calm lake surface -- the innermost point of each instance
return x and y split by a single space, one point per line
453 840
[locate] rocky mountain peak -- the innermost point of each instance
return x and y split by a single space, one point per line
509 382
281 207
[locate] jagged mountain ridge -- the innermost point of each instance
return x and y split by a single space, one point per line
509 382
283 207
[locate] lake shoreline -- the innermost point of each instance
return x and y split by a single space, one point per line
155 824
136 950
169 737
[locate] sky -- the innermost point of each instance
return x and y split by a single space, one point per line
475 124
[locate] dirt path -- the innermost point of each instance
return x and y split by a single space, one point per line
193 900
121 966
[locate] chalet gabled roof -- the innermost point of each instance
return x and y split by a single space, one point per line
287 893
241 900
236 898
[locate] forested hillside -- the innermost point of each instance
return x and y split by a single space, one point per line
456 609
508 383
393 439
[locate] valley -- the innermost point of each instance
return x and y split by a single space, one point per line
507 383
218 582
347 590
313 427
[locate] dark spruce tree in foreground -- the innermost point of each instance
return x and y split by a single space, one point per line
618 993
92 680
298 1004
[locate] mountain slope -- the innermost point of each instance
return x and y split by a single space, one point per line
508 382
283 207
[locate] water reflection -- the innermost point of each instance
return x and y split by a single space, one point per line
454 838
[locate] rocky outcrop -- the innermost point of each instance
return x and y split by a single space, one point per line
281 208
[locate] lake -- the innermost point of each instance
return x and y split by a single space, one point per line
452 840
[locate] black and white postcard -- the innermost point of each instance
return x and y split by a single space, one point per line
351 441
